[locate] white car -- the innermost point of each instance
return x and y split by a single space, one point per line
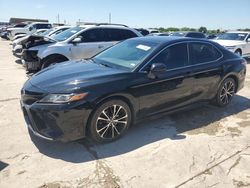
76 43
38 32
235 41
18 44
29 29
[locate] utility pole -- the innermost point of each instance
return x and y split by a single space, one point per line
110 18
58 18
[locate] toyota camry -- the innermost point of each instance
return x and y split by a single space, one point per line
101 97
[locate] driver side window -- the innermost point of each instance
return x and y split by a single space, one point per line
173 57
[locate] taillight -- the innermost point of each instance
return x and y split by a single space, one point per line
244 62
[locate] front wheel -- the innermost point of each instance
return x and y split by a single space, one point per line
226 92
110 121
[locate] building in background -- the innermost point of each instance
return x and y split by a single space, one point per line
18 20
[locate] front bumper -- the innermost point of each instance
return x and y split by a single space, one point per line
60 122
17 50
32 62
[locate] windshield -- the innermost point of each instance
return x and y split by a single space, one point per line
27 26
46 32
66 34
232 36
126 55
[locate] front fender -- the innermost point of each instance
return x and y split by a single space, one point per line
53 50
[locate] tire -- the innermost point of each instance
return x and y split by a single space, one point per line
110 121
238 52
226 92
51 60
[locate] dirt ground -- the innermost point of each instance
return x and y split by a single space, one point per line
203 147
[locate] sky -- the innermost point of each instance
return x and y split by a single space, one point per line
214 14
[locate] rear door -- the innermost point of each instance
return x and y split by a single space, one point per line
204 58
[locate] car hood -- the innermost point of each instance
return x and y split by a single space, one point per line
229 42
21 40
35 42
14 29
72 75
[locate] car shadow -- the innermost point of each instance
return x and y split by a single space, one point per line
3 165
18 61
159 128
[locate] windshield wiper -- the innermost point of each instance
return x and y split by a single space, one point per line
103 64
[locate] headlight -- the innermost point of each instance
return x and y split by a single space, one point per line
62 98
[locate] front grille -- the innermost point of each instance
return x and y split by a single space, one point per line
30 55
30 98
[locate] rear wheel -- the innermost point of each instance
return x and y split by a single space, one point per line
226 92
110 121
51 60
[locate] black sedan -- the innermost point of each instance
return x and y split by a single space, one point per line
101 97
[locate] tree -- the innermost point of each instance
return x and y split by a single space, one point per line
202 29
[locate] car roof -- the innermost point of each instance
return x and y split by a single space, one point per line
33 23
167 39
239 32
105 26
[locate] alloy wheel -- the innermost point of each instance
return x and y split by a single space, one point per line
111 122
227 92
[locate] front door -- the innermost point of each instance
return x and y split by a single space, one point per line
170 89
92 43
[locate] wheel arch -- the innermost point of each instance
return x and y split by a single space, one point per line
128 99
239 49
43 60
233 76
55 55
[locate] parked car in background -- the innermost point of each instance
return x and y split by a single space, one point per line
18 25
76 43
191 34
29 29
4 35
236 41
101 97
144 32
29 40
38 32
159 34
211 36
153 31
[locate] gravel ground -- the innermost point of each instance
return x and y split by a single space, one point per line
203 147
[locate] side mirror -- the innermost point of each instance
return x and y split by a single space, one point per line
248 40
156 69
76 40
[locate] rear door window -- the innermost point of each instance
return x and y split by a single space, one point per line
113 34
202 53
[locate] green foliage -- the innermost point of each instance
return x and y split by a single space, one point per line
202 29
